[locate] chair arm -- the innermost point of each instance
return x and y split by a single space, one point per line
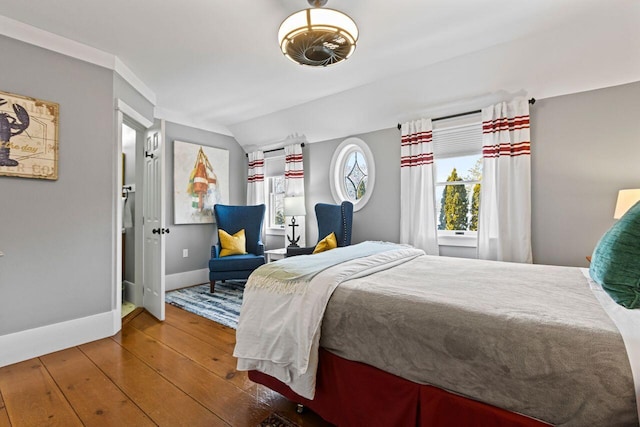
215 251
260 249
293 251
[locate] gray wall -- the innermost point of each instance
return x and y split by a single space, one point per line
57 235
585 147
198 238
380 218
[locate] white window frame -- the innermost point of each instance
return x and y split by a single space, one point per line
272 229
336 171
451 131
466 238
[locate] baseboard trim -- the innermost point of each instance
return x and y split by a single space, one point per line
24 345
186 279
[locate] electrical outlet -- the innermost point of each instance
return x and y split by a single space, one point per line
185 253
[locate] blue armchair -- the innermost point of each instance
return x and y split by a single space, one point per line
331 218
233 219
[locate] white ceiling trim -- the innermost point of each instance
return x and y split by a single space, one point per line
53 42
44 39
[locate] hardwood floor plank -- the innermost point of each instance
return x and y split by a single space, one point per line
208 331
177 312
162 401
280 404
220 396
129 317
96 400
4 417
178 372
32 397
212 358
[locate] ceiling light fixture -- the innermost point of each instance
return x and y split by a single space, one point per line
318 37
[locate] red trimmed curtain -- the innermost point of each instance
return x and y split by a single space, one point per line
504 224
255 179
417 187
294 185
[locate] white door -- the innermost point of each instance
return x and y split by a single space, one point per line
153 223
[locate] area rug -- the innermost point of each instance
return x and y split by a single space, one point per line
223 306
275 420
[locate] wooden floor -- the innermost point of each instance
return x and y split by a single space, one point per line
180 372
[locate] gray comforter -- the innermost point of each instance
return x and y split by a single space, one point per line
528 338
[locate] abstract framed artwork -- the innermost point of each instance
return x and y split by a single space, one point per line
200 180
28 137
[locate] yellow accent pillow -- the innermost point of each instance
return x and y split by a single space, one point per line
232 245
329 242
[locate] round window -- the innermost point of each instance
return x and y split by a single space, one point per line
352 173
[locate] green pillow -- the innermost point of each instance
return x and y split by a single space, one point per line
615 263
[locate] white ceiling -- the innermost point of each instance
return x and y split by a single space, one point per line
216 64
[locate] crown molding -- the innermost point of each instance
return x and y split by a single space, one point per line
53 42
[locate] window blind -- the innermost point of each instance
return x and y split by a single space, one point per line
274 166
459 136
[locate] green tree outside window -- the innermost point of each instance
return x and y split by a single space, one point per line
455 205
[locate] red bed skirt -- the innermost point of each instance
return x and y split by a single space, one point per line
354 394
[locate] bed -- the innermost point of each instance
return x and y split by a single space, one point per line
381 334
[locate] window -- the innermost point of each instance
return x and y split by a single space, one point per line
355 175
458 162
274 193
352 173
276 202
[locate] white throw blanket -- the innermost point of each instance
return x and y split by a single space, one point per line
279 327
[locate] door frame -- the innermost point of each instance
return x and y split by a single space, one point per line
125 114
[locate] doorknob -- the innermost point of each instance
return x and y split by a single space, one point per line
155 230
147 154
165 230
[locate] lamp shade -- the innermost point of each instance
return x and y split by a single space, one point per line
294 206
318 37
626 199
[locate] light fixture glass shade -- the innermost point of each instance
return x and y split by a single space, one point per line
318 37
294 206
626 199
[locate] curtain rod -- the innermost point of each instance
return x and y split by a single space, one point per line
531 101
272 150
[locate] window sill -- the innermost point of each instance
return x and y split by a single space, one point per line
453 240
275 231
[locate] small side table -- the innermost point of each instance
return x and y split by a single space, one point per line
275 254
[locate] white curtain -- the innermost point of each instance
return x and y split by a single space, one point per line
294 186
255 179
417 187
504 224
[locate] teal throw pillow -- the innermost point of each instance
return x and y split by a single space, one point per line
615 263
